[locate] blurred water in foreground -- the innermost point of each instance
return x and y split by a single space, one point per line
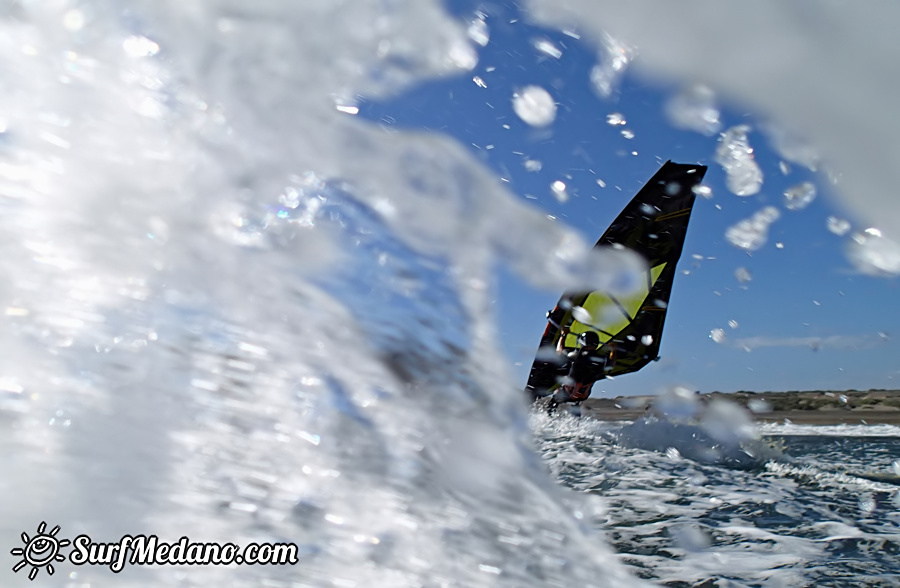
234 312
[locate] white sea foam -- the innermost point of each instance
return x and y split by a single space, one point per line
830 430
682 519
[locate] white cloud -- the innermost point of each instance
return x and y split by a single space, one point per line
815 343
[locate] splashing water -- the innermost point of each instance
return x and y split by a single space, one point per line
715 432
792 147
838 226
558 188
874 254
614 60
533 165
703 191
743 275
199 240
478 31
718 335
547 47
695 109
735 155
799 197
534 106
752 233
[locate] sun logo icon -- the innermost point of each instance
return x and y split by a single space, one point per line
40 551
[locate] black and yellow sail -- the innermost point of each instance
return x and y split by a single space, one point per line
653 224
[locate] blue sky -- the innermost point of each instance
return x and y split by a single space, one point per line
811 320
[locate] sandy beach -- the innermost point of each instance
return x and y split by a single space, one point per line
872 407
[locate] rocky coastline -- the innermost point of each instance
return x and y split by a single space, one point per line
872 407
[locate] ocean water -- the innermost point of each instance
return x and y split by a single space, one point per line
214 322
822 508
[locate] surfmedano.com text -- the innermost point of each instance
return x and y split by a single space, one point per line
149 550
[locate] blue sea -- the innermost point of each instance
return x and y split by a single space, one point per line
821 507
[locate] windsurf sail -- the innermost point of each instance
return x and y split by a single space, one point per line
653 224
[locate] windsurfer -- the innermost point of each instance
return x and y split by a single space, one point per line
586 365
653 225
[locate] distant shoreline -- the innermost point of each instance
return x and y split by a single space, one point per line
869 407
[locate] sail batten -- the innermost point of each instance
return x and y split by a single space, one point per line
654 225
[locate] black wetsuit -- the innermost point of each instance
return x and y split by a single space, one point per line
586 367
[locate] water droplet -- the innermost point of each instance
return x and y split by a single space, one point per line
798 197
533 165
478 32
647 339
751 233
74 20
689 537
614 60
733 324
874 254
735 155
616 118
838 226
582 316
792 147
138 46
695 109
547 46
743 275
867 504
627 134
705 191
534 106
463 56
601 183
759 406
559 190
479 82
718 335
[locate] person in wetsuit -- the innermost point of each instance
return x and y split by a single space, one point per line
586 366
